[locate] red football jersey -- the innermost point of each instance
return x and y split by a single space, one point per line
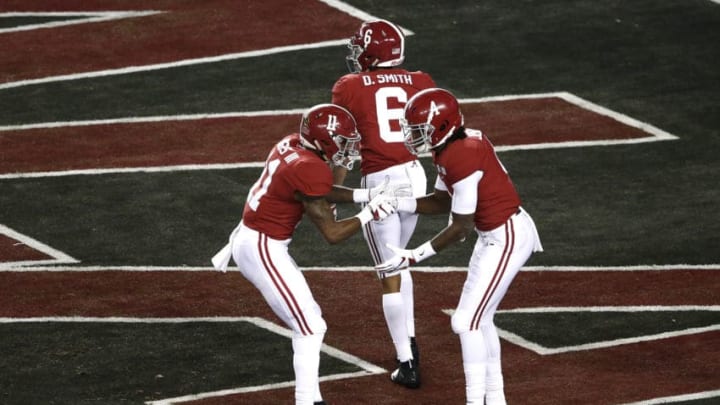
376 99
271 207
497 198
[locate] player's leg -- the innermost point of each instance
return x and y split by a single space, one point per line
472 341
415 174
496 260
377 234
268 266
520 232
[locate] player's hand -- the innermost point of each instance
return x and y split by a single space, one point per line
392 266
401 260
377 209
404 258
382 207
392 190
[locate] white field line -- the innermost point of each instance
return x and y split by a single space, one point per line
655 134
341 6
625 308
90 17
265 387
539 349
12 267
367 367
357 13
186 62
542 350
58 256
150 119
677 398
156 169
643 126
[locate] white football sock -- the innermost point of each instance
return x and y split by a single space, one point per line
395 318
306 362
406 289
494 394
474 356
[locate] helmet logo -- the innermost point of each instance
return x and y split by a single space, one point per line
367 38
332 123
434 110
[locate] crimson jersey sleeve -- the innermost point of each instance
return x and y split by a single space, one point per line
376 99
271 206
311 177
497 198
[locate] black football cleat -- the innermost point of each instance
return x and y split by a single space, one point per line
415 351
407 375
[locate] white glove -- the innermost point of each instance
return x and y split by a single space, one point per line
403 258
377 209
394 190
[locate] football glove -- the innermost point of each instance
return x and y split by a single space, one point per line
403 258
377 209
394 190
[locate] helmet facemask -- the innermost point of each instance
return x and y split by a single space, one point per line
353 64
431 117
417 136
331 131
347 150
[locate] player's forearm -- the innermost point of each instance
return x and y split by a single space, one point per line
453 233
340 230
340 194
428 205
339 174
431 205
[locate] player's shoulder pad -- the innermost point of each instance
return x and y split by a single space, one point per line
310 176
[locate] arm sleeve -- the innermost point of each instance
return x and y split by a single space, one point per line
440 185
464 200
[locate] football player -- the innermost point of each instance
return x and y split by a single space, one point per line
375 92
297 179
474 186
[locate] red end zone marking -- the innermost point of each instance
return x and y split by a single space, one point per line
545 120
12 250
168 143
17 249
227 26
553 119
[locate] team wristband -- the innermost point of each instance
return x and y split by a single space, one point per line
361 195
423 252
407 204
365 216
